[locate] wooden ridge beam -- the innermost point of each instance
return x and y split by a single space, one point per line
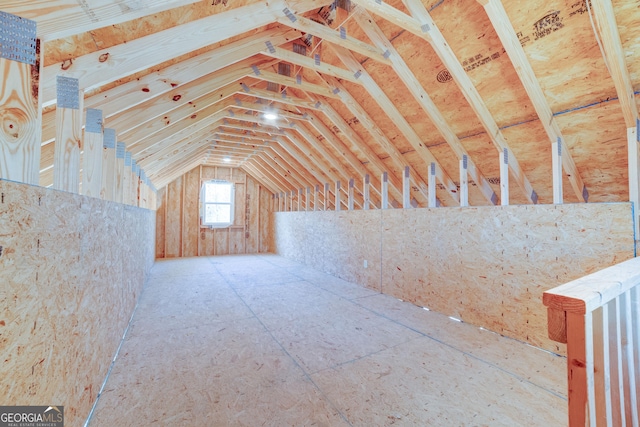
107 65
424 27
373 31
502 24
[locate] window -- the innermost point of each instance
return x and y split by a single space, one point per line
217 199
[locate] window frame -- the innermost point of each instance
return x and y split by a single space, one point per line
204 203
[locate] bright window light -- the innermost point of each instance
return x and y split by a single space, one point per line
270 116
217 204
226 159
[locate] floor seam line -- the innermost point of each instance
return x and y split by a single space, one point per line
306 374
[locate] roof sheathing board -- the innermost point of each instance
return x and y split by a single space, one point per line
559 41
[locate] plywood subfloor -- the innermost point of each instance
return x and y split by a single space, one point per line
259 340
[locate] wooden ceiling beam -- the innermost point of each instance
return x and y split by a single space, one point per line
180 125
614 57
379 137
173 132
310 63
63 18
287 164
251 170
297 154
401 123
164 174
290 158
502 24
300 23
341 172
259 178
286 183
278 97
351 158
107 65
162 157
423 26
187 98
172 78
144 137
165 154
244 104
249 142
295 150
360 145
180 169
265 159
373 31
270 76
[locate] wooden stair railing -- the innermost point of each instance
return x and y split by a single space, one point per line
598 317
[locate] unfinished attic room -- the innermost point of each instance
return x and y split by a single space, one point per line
320 213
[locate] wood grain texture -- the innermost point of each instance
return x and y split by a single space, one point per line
92 164
20 123
173 224
161 215
423 256
68 292
66 160
107 184
190 213
61 18
180 234
147 51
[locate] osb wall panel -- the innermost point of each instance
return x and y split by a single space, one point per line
71 270
486 265
178 217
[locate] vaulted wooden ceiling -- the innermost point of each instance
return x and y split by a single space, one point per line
360 87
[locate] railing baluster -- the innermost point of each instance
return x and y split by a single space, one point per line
631 409
601 316
577 359
601 364
617 378
635 314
